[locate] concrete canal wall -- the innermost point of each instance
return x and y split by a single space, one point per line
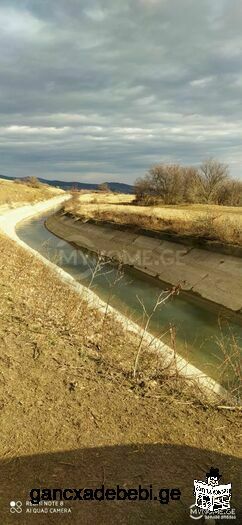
213 276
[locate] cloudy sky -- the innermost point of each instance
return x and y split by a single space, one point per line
101 90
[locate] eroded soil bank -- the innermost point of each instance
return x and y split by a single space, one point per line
71 415
213 276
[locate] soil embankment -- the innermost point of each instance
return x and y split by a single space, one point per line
213 276
14 194
72 416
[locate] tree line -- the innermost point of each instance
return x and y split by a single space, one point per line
210 183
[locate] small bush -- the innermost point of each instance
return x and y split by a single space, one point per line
204 226
147 200
32 182
104 187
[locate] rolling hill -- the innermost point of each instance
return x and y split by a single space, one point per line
67 185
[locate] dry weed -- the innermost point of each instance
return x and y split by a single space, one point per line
208 222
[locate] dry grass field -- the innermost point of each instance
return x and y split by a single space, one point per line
222 223
12 194
73 416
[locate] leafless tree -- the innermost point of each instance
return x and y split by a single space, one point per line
230 193
164 182
104 187
173 184
211 177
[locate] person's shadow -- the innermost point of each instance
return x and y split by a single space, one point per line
163 466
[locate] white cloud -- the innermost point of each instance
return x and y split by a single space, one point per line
28 130
202 82
18 23
96 14
119 85
152 2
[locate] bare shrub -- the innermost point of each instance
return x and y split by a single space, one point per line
175 184
104 187
211 176
228 231
163 297
165 182
230 193
32 182
230 365
204 226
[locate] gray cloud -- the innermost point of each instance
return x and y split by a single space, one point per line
96 90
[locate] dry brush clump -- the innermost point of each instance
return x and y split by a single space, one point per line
211 183
215 227
206 222
230 365
31 181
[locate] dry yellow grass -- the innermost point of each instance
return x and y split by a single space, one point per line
223 223
105 198
73 416
12 194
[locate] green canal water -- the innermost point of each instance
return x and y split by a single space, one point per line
199 328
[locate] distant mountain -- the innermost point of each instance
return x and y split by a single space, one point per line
119 187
